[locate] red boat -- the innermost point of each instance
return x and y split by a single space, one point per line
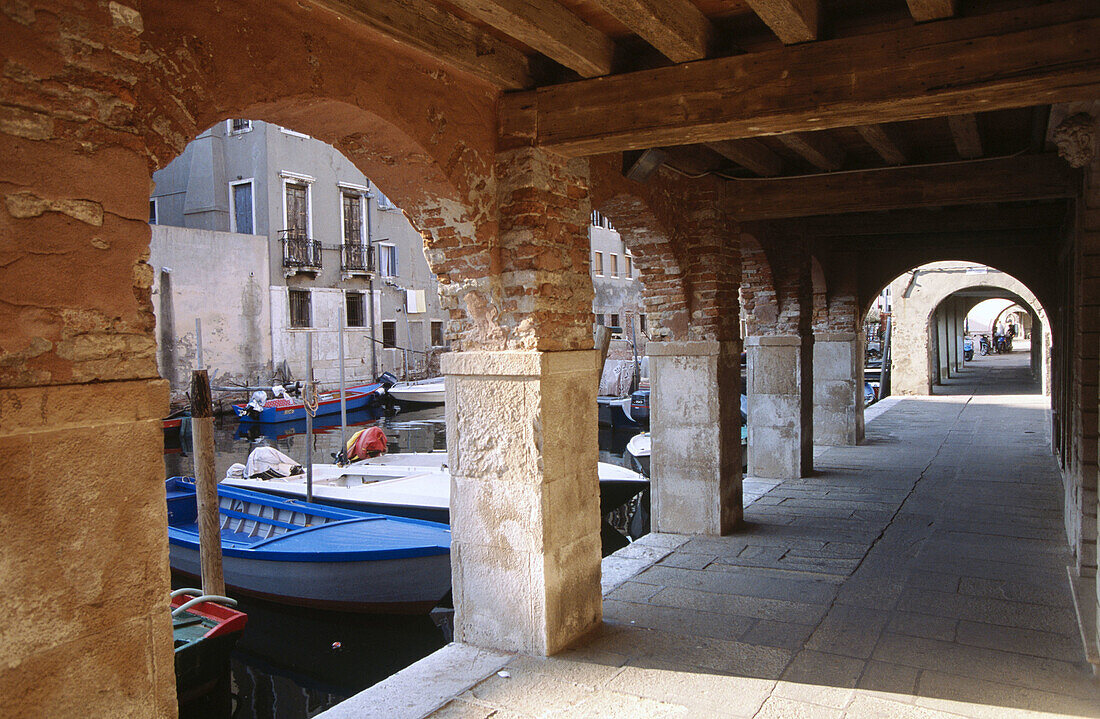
205 629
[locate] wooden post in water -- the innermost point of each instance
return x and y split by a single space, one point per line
206 484
343 396
309 397
198 343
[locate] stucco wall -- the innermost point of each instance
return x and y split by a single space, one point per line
222 279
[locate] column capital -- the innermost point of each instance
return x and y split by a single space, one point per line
689 349
518 363
778 340
835 336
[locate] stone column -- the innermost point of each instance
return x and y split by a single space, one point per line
838 388
943 345
521 420
952 340
780 382
525 521
695 422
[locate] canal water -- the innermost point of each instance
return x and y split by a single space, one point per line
293 663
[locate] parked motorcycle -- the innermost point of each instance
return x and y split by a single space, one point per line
968 349
983 345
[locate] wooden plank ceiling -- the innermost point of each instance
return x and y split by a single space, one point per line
775 89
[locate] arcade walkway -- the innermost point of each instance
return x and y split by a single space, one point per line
920 574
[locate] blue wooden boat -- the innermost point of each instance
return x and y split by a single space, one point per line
294 552
284 409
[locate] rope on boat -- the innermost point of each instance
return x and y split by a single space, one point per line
309 399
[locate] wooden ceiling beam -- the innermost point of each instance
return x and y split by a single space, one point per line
441 35
1041 54
792 21
925 10
1029 177
751 154
949 240
926 221
968 139
676 28
885 143
817 148
549 28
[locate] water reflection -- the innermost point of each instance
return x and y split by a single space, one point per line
293 662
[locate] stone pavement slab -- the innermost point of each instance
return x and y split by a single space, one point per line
920 574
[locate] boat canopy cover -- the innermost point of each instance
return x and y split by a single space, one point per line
365 443
265 463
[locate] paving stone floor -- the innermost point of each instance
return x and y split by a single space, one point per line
920 574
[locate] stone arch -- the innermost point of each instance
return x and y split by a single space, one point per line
877 270
637 213
917 306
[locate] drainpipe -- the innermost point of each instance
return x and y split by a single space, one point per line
370 299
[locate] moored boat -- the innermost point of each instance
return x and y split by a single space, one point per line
289 409
205 629
426 391
414 484
294 552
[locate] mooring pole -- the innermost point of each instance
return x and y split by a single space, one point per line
198 343
343 398
206 484
309 397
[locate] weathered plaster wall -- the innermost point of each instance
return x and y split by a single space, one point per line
222 279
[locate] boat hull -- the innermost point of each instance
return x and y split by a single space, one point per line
396 586
292 410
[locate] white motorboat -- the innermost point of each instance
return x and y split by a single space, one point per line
425 391
414 484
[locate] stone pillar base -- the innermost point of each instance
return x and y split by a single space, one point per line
780 379
525 517
838 388
695 422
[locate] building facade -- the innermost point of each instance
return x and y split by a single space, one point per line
333 240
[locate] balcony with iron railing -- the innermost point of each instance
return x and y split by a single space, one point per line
356 258
300 252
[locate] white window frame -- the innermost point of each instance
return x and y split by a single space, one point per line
597 271
294 133
156 211
396 259
229 126
349 189
233 206
295 178
613 260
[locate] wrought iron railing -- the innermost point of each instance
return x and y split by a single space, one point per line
299 251
355 257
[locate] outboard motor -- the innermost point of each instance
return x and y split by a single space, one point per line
639 406
387 379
